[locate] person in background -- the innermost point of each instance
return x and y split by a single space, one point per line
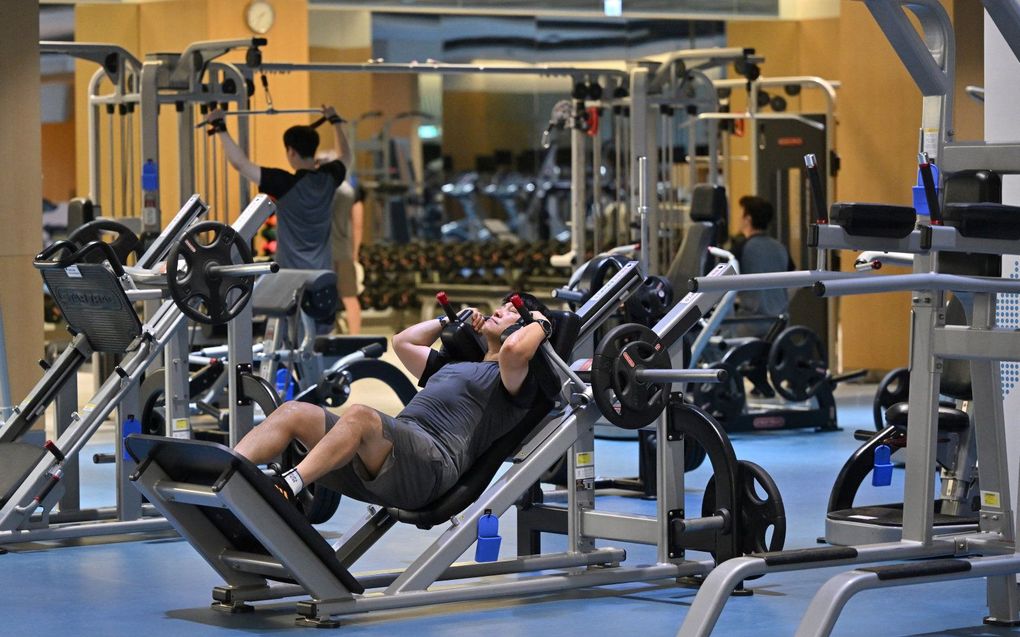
345 237
304 198
757 253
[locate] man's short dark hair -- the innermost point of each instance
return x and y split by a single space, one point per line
531 302
303 139
760 211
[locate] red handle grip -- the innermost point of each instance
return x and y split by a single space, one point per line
518 303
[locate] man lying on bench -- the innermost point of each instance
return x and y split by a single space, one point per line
408 460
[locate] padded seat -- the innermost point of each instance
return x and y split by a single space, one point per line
950 418
475 480
278 294
983 220
873 219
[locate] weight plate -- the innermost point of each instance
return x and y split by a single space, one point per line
199 293
894 388
623 399
759 512
797 363
723 401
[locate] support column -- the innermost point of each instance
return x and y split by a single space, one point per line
21 183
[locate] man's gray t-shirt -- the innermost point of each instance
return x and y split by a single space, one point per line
761 253
304 203
464 407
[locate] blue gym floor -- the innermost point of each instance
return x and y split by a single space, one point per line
160 586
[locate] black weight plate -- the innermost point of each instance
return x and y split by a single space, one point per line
198 293
124 243
650 301
894 388
798 364
723 401
758 513
625 401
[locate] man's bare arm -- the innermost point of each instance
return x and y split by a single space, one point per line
234 154
517 352
343 147
413 345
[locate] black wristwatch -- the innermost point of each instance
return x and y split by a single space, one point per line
546 326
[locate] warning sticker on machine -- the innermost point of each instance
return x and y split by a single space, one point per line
990 499
584 469
181 428
72 272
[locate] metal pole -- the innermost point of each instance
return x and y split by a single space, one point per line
5 387
642 209
578 196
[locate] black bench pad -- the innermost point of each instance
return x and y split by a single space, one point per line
873 219
277 294
983 220
950 418
200 462
344 345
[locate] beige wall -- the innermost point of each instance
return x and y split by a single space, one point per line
21 183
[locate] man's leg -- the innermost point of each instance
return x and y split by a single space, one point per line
360 432
352 312
290 421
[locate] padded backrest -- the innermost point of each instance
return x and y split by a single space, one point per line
692 256
93 302
475 479
708 203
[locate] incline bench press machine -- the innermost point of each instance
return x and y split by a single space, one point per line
230 513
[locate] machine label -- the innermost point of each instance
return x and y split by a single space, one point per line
181 428
584 469
990 499
72 272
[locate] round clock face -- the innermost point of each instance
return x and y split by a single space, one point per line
260 16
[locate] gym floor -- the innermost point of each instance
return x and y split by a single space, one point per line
159 585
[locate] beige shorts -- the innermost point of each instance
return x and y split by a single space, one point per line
346 278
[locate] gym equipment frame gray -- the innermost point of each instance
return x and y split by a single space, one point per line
930 62
191 78
649 88
122 70
584 565
26 516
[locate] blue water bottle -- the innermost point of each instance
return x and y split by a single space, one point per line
131 426
284 387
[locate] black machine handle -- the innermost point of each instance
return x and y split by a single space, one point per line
570 296
375 350
815 179
43 262
931 193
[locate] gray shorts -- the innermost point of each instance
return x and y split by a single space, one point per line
410 478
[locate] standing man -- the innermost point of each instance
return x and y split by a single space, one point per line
348 219
304 198
758 253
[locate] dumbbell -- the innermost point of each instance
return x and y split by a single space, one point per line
459 339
